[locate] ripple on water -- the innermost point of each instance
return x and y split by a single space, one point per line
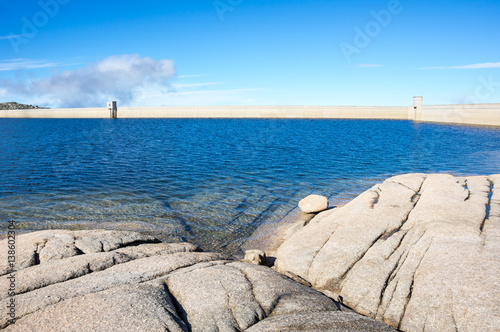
212 181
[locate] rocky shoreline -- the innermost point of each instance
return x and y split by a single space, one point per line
126 281
416 253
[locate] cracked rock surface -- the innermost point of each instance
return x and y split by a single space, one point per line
418 252
124 281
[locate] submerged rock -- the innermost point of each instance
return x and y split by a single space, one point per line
418 252
125 281
313 204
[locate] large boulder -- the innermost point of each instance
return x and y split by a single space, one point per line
418 252
125 281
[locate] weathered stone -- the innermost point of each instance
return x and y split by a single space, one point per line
44 246
57 271
257 257
418 252
313 204
121 284
340 321
239 296
124 308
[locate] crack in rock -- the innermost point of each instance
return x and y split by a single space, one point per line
466 188
488 206
408 298
376 199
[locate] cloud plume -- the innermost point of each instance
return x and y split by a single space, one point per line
113 78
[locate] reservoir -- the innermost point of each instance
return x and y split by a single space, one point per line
213 181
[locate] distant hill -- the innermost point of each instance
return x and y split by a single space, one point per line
16 106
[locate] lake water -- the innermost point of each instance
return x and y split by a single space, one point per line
212 181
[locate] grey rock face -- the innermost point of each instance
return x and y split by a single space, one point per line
124 308
313 204
45 246
124 281
418 252
339 321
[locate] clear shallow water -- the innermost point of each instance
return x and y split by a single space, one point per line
212 181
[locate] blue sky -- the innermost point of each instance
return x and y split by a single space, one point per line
71 53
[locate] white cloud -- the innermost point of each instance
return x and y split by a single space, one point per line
114 78
473 66
131 80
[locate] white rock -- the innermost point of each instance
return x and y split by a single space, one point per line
313 204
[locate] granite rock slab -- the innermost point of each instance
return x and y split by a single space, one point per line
125 281
418 252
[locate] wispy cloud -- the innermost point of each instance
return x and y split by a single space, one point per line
197 97
19 64
197 92
368 65
473 66
182 86
190 76
9 37
114 78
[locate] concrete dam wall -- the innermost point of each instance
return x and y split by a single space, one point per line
57 113
290 112
471 114
298 112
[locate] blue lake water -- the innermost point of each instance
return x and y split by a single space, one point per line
212 181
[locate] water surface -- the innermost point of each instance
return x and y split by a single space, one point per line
212 181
